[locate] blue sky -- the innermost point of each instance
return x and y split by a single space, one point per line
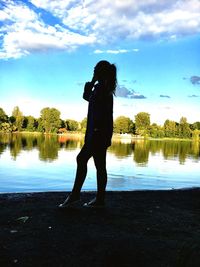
48 49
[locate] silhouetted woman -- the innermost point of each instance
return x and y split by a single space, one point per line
99 93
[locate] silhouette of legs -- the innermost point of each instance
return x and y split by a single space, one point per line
81 171
100 163
99 155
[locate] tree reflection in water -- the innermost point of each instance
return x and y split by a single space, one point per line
49 146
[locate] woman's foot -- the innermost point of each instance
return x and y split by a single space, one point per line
70 201
95 203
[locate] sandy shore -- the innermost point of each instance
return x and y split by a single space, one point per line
139 228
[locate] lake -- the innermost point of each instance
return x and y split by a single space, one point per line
35 163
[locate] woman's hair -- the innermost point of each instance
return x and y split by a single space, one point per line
107 72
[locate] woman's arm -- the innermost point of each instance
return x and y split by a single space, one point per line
88 89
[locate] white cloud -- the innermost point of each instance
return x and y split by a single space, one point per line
26 33
111 20
17 13
53 5
3 15
94 22
115 51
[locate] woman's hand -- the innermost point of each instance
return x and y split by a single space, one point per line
88 86
94 79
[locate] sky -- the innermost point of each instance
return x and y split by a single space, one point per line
49 48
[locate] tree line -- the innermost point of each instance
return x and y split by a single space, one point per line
50 122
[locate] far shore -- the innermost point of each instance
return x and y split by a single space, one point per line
116 136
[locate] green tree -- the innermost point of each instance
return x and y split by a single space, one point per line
11 119
142 123
83 125
50 119
195 125
123 125
195 135
18 117
25 122
71 125
184 128
38 125
170 128
156 131
4 124
31 124
62 124
3 116
5 127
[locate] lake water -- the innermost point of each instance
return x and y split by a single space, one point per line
34 163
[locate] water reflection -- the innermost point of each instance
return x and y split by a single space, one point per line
141 152
49 146
121 150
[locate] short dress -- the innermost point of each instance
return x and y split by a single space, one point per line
99 128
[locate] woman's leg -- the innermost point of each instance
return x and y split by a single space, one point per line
99 156
81 172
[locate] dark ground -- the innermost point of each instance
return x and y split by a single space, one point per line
139 228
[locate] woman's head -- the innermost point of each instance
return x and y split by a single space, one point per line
107 73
